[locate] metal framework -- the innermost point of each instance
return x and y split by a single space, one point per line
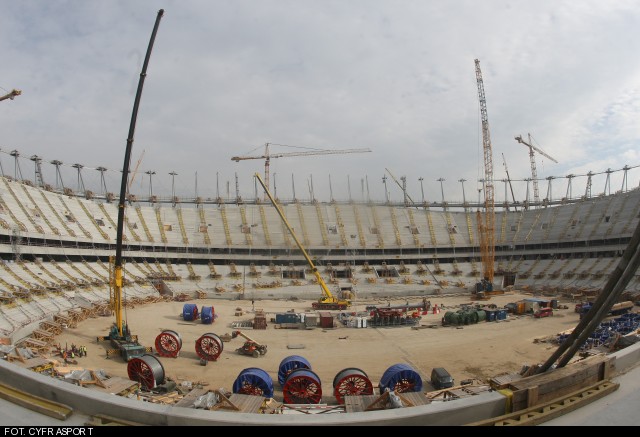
486 225
312 151
532 159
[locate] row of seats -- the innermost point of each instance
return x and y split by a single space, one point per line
324 225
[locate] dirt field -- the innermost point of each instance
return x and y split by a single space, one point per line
474 351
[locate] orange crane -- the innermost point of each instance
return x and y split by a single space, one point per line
310 151
534 174
486 224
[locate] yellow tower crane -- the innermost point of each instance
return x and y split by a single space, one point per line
309 151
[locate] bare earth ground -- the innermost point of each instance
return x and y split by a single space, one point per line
478 351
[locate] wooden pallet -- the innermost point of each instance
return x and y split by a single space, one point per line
356 404
37 364
190 398
45 336
166 399
37 345
65 321
240 403
117 386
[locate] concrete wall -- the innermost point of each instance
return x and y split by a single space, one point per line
627 358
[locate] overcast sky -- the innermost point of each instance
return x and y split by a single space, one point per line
396 77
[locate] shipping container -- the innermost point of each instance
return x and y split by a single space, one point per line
312 319
287 318
326 320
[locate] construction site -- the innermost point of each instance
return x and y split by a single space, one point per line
150 310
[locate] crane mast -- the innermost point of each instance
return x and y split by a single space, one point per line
486 225
532 159
513 196
328 300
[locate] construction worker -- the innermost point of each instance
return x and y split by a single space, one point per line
84 350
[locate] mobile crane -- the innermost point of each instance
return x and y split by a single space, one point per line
120 335
328 301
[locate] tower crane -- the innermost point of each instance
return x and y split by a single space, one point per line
486 224
513 196
534 174
135 171
311 151
402 187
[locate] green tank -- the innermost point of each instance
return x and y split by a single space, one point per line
482 315
451 318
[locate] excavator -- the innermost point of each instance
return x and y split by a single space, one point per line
328 301
250 347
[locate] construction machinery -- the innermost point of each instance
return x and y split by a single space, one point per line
534 174
119 334
250 347
486 221
328 301
308 151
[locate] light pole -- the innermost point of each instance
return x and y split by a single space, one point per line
421 188
173 175
150 173
102 181
464 200
441 180
386 193
330 189
38 175
78 167
404 189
